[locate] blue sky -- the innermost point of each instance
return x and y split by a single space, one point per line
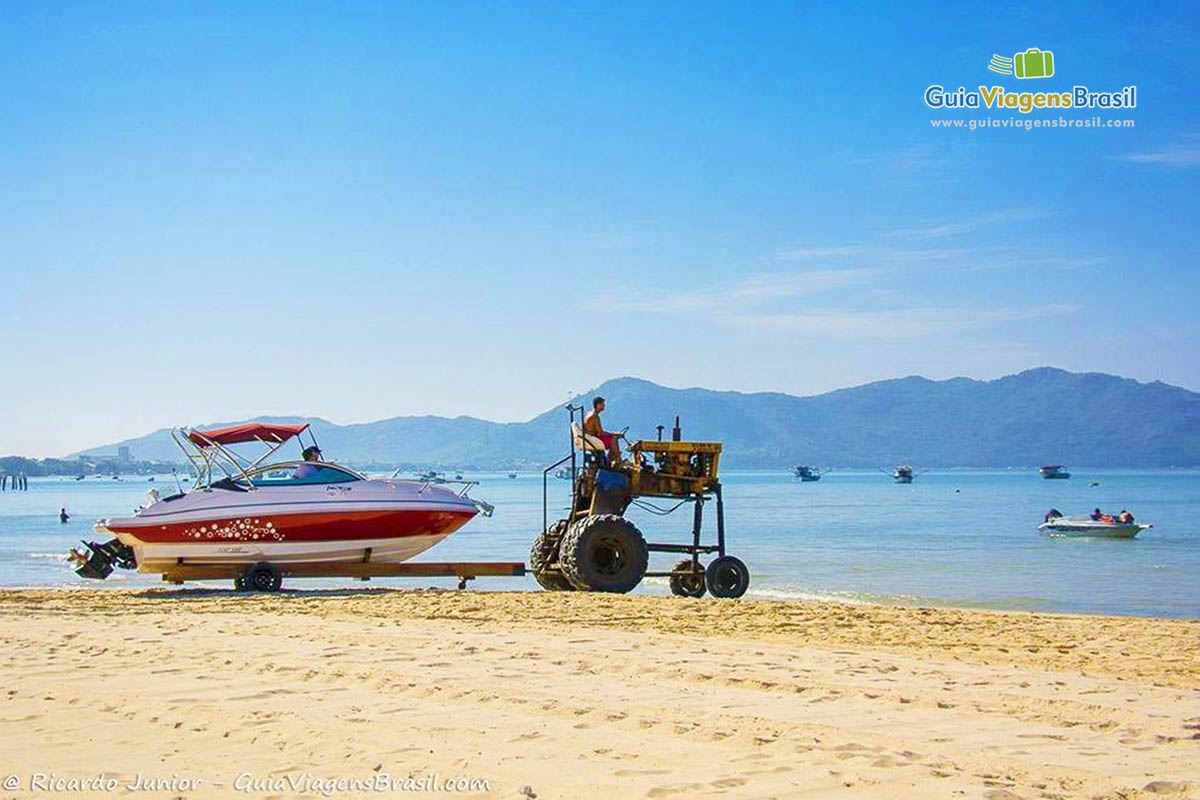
357 211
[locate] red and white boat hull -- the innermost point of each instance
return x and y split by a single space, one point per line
378 521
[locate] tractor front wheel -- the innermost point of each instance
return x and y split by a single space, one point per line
544 553
603 553
727 577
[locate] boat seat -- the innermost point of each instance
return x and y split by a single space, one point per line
593 449
585 441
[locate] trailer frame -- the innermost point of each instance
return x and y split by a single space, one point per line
359 570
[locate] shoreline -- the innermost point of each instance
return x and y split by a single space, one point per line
563 693
306 586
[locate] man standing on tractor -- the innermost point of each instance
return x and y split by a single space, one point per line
592 427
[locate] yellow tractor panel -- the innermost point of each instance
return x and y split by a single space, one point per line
674 468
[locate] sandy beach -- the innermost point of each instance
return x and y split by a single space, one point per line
367 693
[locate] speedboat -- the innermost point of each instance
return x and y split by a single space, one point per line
1086 526
903 474
1054 472
245 512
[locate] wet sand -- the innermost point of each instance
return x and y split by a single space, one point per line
566 695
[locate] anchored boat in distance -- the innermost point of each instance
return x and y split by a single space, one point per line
1053 472
903 474
809 474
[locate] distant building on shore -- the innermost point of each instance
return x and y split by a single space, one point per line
124 455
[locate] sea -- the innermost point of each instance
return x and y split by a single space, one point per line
961 538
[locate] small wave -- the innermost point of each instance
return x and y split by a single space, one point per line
50 556
819 597
784 594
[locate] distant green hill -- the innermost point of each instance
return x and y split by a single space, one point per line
1036 417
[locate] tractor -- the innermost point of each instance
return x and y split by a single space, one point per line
596 548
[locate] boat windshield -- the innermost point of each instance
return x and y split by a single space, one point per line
301 473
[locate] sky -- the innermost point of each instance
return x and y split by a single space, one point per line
356 211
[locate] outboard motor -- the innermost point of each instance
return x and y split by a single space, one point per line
100 559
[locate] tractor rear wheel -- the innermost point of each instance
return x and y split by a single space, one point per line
685 580
603 553
727 577
544 553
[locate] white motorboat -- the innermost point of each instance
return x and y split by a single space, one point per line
291 512
1086 526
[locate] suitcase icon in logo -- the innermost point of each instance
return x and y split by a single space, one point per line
1033 63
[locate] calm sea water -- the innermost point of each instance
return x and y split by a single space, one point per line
951 538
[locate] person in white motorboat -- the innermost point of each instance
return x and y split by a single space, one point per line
1124 518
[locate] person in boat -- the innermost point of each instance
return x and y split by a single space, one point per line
1052 514
1097 515
1125 518
310 468
592 427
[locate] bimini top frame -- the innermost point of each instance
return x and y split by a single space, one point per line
205 450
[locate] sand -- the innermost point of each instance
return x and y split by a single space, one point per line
212 694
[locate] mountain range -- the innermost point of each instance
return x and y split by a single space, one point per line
1039 416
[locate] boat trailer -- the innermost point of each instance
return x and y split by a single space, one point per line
98 559
265 576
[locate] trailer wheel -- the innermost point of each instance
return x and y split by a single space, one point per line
544 553
727 577
603 553
239 583
685 581
262 577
